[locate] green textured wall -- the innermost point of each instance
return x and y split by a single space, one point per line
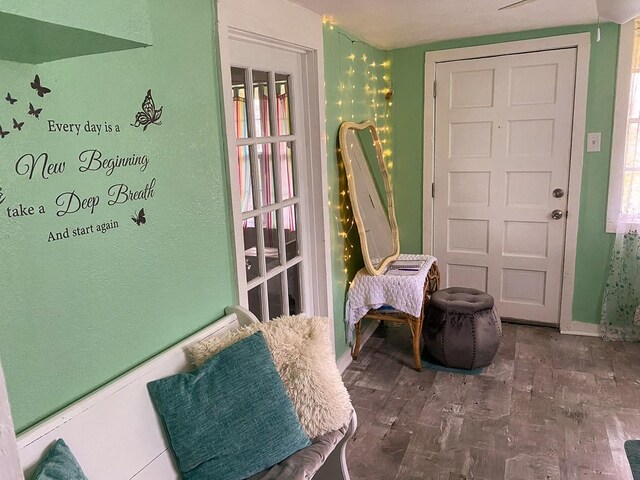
594 245
79 311
91 16
357 77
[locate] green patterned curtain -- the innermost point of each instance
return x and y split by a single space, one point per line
620 318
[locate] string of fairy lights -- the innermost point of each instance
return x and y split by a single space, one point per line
364 92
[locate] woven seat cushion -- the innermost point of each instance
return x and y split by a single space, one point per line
461 299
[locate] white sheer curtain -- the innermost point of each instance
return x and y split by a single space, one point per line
629 214
620 318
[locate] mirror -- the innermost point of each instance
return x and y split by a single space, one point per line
370 193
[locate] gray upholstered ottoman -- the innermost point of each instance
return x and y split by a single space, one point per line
461 328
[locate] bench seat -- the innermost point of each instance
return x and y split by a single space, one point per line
115 433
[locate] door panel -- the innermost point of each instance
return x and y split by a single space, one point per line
470 276
502 145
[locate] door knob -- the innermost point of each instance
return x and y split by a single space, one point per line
556 214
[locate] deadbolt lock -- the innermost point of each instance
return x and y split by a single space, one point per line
558 193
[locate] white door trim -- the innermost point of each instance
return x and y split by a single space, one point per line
580 41
298 30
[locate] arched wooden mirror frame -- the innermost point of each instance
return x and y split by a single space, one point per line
391 214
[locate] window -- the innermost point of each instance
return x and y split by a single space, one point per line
623 210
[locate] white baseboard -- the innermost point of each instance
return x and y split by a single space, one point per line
583 329
345 360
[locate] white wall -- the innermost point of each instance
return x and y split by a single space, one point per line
9 463
275 19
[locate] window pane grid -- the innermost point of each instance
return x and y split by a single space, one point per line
245 179
289 104
239 92
281 239
249 99
288 180
255 179
260 244
277 171
272 139
255 301
272 105
277 289
266 149
263 106
293 285
272 243
268 175
264 308
291 225
277 270
251 267
283 109
270 208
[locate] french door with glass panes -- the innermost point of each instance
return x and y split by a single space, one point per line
267 163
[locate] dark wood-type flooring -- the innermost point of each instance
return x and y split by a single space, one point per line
550 406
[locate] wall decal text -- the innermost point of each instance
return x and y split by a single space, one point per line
44 166
80 231
53 126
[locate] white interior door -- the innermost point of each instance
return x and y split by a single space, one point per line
503 129
268 165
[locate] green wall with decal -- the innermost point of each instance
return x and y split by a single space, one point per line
88 294
112 290
357 77
594 245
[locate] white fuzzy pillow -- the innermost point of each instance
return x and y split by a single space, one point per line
301 350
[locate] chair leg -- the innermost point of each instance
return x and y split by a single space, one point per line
415 333
355 351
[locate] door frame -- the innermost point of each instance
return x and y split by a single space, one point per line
289 27
582 43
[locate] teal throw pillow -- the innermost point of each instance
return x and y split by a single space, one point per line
58 464
230 418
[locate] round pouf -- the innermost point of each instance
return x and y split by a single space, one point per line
462 328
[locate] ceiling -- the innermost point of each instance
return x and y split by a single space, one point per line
391 24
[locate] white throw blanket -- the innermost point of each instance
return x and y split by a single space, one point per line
401 291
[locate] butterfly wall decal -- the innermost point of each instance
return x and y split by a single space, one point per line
149 114
37 86
9 99
34 111
17 125
139 219
3 133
